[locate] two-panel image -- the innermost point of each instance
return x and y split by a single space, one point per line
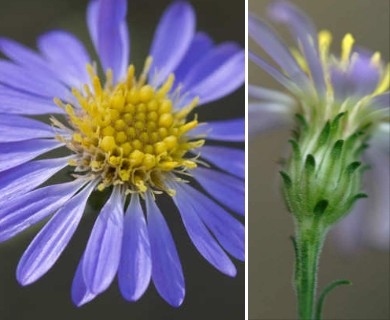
194 159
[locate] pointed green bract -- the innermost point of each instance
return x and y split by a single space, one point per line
325 167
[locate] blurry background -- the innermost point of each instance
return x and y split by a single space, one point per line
270 251
209 294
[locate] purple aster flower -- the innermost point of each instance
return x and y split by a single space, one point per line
133 135
318 85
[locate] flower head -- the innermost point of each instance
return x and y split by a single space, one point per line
129 134
338 102
133 134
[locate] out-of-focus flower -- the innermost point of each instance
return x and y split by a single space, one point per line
319 86
369 223
132 135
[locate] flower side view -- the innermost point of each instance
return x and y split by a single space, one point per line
350 89
133 134
340 106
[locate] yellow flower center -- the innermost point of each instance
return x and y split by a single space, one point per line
130 133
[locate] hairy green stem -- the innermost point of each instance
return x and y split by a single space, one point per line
309 240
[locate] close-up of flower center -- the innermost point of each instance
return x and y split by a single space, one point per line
129 134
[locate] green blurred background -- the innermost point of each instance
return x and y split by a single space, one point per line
270 252
209 294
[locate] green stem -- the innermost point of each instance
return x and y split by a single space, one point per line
309 242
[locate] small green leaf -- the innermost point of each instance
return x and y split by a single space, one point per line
359 196
297 264
325 293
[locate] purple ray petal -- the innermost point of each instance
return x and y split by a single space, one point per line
34 206
48 245
172 39
167 273
26 177
364 76
125 41
17 102
305 33
28 58
266 94
359 80
222 81
80 293
228 190
200 46
108 30
102 254
66 53
25 80
276 49
214 60
226 130
228 159
200 236
229 232
300 24
135 268
273 72
13 154
93 20
268 116
17 128
339 80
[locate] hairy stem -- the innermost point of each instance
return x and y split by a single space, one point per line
309 242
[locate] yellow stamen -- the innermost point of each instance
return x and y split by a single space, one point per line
109 79
324 41
97 86
166 87
301 60
145 71
376 59
346 47
91 71
384 83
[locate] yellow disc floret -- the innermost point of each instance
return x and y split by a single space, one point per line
130 133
